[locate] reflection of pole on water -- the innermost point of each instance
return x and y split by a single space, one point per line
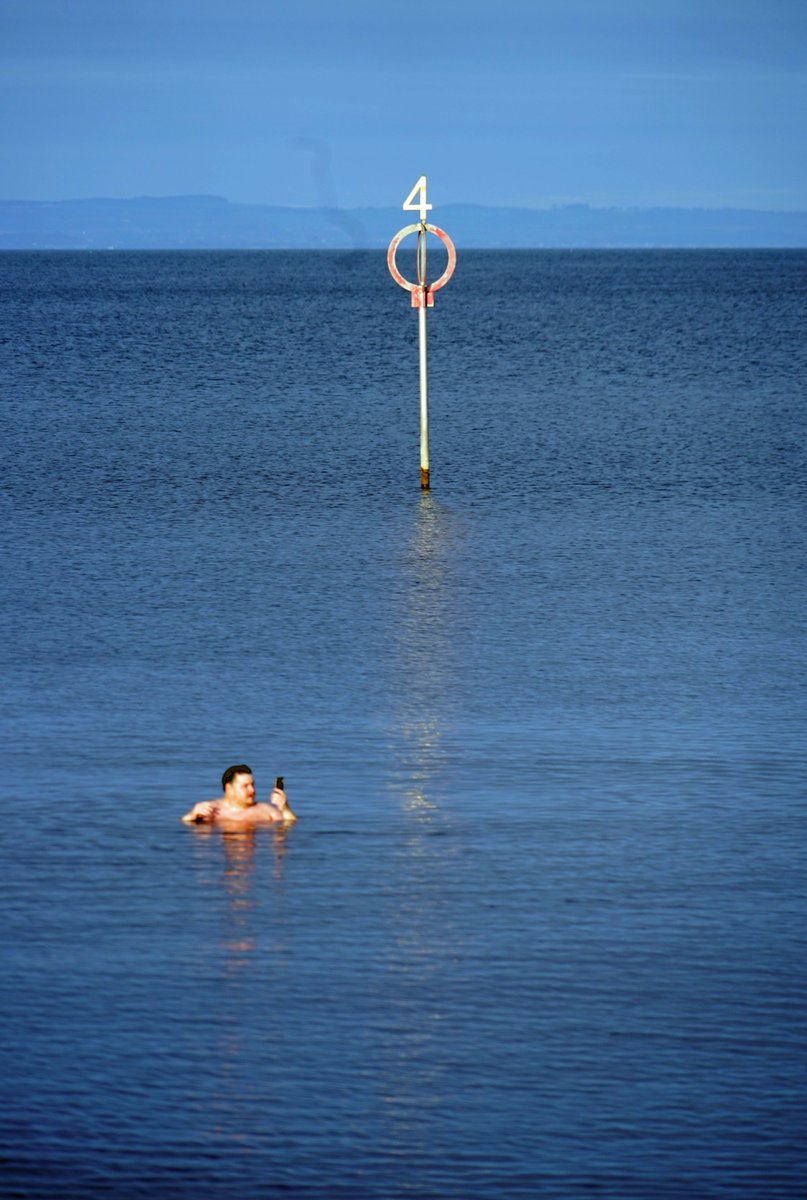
424 638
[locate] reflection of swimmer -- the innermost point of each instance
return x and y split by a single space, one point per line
237 809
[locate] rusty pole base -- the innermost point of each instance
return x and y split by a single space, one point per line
424 478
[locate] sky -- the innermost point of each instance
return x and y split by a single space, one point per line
345 103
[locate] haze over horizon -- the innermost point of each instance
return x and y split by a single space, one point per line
533 103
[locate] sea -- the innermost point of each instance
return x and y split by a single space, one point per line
540 930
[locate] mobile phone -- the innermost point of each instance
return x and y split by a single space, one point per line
279 783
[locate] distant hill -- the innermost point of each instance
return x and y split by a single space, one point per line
210 222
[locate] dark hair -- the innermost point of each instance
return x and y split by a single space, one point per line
231 772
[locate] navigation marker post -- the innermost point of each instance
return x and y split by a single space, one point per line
422 299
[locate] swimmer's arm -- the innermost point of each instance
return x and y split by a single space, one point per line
280 801
201 814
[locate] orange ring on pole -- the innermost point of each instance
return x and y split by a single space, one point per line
393 266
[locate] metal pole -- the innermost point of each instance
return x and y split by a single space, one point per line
422 296
424 399
424 360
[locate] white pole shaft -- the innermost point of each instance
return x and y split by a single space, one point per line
424 396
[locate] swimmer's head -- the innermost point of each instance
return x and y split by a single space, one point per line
231 772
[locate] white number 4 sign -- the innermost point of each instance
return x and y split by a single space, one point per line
410 205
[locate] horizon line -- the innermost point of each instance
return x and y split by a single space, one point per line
315 208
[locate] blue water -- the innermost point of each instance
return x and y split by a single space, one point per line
540 929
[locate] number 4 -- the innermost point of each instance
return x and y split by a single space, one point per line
421 207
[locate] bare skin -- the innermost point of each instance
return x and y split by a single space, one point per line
237 808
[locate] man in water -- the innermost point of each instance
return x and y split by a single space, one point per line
237 808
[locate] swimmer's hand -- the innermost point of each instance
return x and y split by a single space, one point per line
201 814
280 801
